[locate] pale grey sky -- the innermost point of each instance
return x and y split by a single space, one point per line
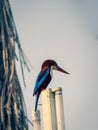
66 31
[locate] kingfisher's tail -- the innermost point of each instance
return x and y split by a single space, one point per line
36 100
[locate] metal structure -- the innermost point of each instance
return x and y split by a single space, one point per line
52 111
59 108
49 110
36 120
12 104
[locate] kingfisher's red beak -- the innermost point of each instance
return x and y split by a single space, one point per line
61 70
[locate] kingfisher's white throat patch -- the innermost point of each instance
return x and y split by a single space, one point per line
51 70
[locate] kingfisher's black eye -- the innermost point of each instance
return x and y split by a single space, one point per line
55 64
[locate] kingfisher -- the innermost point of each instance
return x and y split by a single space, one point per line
44 77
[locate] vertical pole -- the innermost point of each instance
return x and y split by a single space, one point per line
49 110
59 109
36 119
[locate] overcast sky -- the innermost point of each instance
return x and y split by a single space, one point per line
66 31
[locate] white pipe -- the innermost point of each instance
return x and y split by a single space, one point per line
36 120
49 110
59 109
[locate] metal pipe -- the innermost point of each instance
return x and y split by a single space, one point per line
59 109
36 119
49 110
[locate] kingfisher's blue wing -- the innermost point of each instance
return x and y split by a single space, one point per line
40 79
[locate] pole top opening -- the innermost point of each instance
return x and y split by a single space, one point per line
56 89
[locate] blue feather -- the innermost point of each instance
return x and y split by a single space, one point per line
40 83
36 101
40 79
